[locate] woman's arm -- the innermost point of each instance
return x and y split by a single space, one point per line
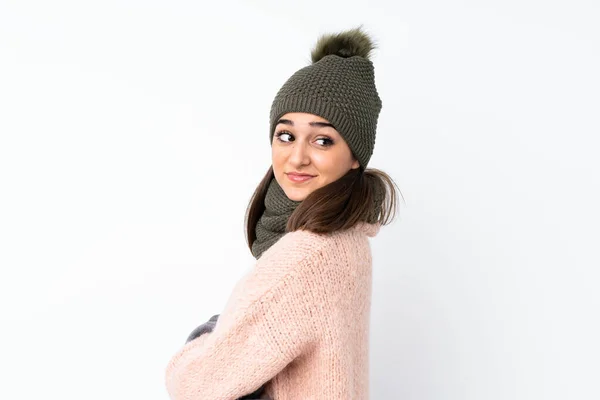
269 327
208 327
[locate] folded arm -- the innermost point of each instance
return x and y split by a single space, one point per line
270 326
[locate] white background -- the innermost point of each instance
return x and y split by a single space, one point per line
133 134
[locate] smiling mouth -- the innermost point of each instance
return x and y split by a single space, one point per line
299 178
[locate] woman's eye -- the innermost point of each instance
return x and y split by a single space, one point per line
328 142
280 134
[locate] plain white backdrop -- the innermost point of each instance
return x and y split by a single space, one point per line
132 135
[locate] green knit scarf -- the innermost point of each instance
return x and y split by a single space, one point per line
271 225
278 209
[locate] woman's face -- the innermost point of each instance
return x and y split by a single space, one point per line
307 144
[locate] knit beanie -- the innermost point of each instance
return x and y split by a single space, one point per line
339 86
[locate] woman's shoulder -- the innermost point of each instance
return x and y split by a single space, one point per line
363 228
302 244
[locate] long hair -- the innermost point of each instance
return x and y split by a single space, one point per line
338 205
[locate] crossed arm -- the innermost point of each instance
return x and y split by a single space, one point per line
266 331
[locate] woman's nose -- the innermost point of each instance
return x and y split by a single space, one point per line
299 154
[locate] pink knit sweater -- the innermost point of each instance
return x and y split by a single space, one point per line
298 320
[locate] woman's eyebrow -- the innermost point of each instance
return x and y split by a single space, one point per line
318 124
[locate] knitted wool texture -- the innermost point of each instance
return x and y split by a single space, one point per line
278 207
271 225
299 321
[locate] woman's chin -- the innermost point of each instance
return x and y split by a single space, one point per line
296 194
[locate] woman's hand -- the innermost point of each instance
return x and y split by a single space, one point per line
206 327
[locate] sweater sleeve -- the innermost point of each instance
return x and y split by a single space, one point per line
269 325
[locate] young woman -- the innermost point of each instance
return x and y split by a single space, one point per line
297 325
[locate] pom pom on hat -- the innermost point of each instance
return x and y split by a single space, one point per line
353 42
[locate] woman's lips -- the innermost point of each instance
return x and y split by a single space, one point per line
299 178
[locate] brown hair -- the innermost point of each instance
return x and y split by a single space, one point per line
338 205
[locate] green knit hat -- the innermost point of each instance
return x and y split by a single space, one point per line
339 86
